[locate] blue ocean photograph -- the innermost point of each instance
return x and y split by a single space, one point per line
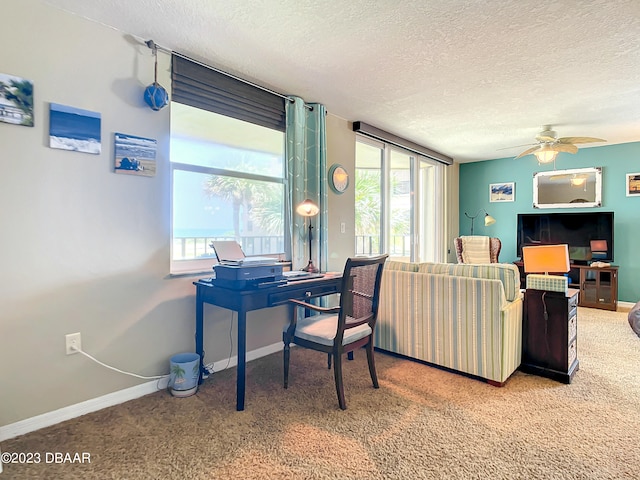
16 100
134 155
74 129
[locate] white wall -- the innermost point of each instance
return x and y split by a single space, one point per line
452 203
83 249
341 148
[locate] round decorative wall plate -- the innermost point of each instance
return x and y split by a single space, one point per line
338 178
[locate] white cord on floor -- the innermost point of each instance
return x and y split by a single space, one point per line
230 344
117 369
208 372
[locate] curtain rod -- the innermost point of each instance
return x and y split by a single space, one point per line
154 46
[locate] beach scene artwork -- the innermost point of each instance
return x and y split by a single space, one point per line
633 184
72 128
16 100
502 192
135 155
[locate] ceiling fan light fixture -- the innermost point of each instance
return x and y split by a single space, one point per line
545 154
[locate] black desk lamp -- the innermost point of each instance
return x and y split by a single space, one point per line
309 209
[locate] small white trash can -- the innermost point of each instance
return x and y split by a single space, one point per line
184 373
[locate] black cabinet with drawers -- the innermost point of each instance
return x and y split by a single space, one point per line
550 334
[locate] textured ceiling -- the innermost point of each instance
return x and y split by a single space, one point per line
463 77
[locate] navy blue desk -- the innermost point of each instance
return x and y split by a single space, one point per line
243 301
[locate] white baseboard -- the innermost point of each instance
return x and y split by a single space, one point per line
252 355
72 411
625 305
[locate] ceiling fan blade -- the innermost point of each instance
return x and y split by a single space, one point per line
529 151
564 147
518 146
580 140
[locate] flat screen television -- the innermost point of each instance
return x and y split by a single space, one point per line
588 235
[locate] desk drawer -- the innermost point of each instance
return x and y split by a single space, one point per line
572 354
573 327
302 293
573 302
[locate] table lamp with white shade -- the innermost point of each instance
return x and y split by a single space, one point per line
539 260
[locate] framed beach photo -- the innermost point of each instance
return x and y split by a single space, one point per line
633 184
74 129
134 155
502 192
16 100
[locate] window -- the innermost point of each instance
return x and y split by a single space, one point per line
368 192
399 203
228 183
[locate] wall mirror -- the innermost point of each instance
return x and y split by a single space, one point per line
577 188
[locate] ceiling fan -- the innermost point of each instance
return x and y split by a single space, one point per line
548 145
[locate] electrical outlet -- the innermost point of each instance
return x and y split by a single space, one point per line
342 227
73 342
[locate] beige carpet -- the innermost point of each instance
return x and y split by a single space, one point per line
422 423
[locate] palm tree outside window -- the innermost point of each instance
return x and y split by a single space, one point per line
228 183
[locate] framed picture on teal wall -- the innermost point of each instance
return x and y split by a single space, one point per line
502 192
633 184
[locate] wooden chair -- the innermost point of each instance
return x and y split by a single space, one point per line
344 328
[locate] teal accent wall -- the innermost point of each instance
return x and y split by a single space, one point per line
616 161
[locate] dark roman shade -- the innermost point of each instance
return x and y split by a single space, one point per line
203 87
373 132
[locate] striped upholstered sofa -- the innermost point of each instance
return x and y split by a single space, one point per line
463 317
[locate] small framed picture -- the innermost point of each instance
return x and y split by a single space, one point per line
74 129
134 155
16 100
633 184
502 192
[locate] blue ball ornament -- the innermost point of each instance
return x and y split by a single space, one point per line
156 96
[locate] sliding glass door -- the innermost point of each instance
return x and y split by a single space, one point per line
398 203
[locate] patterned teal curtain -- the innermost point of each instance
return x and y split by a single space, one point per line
307 161
317 148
